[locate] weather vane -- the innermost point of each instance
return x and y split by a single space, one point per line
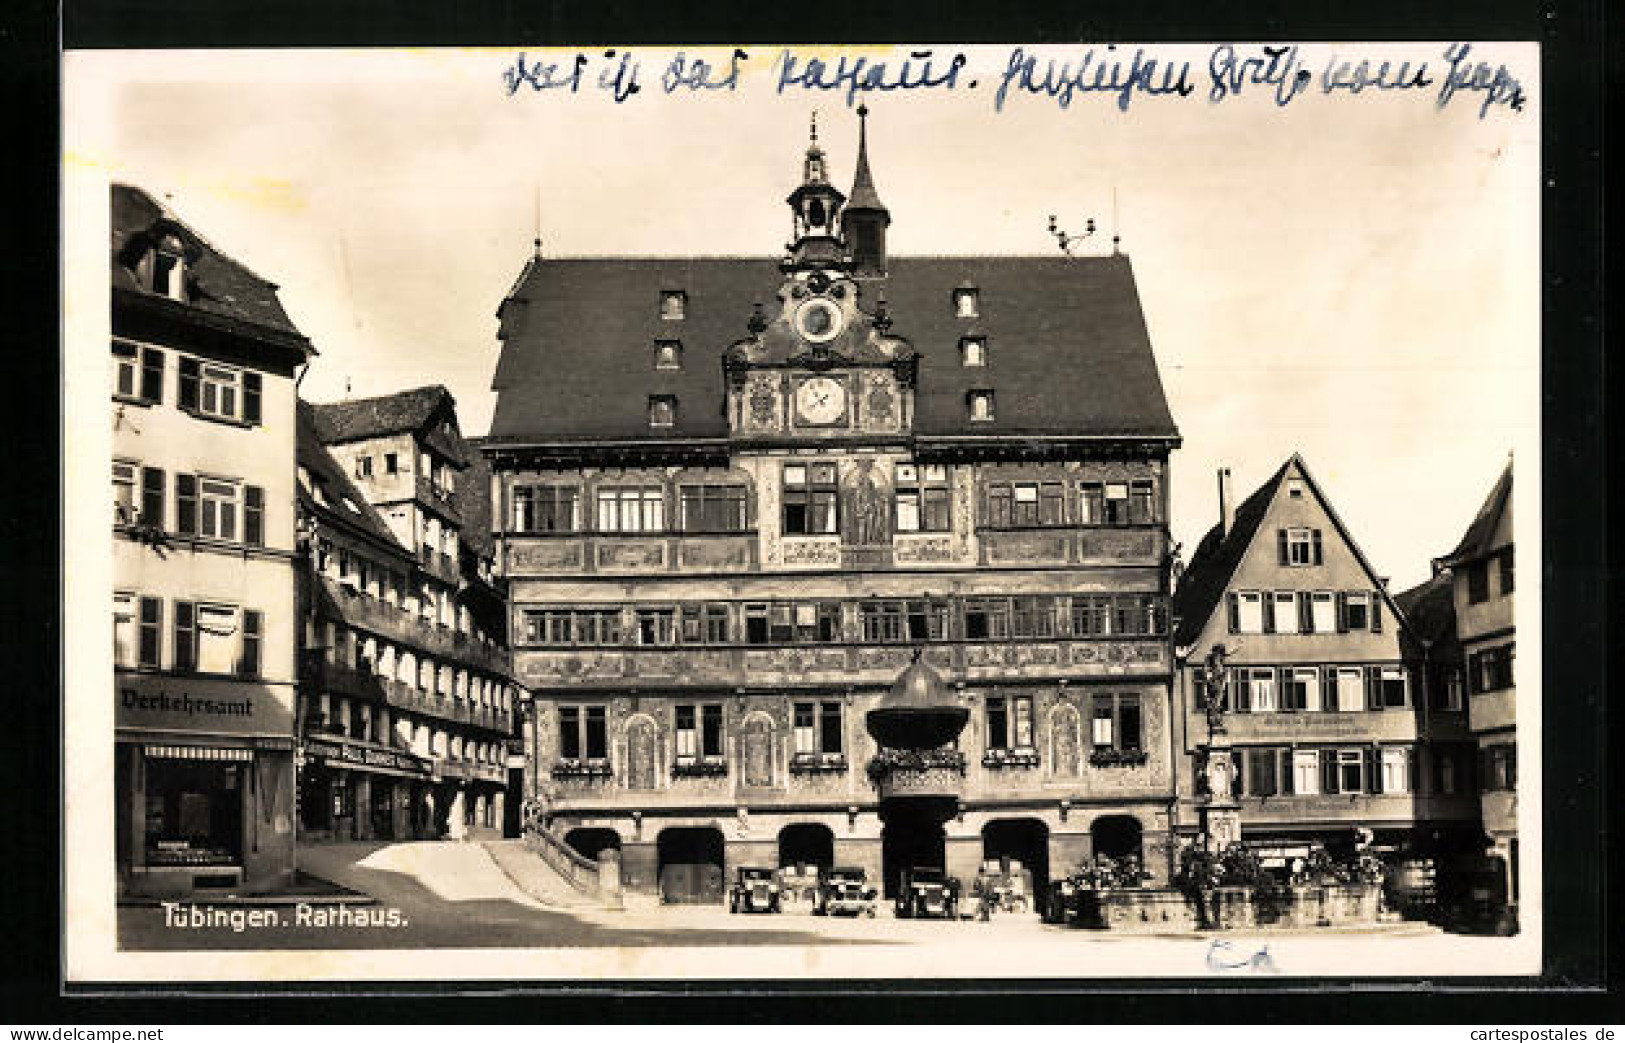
1068 243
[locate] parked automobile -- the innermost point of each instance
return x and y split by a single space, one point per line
1002 886
798 888
845 891
754 890
925 892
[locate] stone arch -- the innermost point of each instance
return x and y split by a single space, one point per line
757 757
1117 835
1065 742
642 752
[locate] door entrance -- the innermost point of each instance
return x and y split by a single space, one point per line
690 865
912 838
1025 842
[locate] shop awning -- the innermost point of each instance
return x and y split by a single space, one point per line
199 753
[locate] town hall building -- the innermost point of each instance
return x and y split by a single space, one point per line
738 499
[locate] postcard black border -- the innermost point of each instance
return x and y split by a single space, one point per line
1577 986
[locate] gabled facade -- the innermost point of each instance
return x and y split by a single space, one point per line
409 701
1480 572
202 410
735 499
1325 725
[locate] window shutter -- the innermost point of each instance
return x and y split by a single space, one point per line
1376 611
1328 771
152 375
189 383
1342 612
1328 689
1412 771
254 516
1317 558
1280 545
1235 612
1373 689
152 497
1289 769
185 637
1243 691
251 398
1306 613
186 504
248 665
1373 768
1267 599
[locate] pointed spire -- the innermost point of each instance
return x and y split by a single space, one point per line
864 196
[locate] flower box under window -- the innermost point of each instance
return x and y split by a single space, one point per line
571 768
818 763
1019 757
699 768
1117 758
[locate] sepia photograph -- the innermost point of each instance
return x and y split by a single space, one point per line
803 513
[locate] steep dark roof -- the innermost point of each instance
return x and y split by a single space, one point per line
474 501
864 196
1068 351
218 284
326 473
1430 609
1204 580
404 412
1476 542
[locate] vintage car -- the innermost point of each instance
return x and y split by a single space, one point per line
799 886
1002 886
924 892
755 890
845 891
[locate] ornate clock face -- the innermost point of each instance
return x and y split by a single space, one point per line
821 401
819 320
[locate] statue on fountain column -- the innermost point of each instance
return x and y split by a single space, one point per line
1221 775
1212 682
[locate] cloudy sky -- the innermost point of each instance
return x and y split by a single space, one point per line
1353 277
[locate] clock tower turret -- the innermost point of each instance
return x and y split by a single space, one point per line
815 208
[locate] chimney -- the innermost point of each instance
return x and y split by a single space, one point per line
1227 504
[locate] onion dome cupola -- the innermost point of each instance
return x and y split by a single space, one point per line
815 208
866 216
919 713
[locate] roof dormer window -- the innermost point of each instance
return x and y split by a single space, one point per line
981 405
973 351
662 410
169 270
673 304
668 354
966 304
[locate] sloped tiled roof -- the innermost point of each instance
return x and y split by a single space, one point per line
1430 610
1208 573
338 491
1068 351
1476 542
404 412
218 284
474 501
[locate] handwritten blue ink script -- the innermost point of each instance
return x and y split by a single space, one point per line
1279 74
1226 958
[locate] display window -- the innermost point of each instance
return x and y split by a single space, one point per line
194 810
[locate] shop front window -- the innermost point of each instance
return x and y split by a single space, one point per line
194 811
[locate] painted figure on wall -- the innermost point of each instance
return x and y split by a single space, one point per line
868 512
758 741
640 755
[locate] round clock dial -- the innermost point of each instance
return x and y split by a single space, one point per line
821 400
819 320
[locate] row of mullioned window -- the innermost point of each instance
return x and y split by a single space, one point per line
922 501
1304 611
879 621
1491 669
662 409
966 303
367 723
818 728
205 389
205 637
1316 689
668 354
1270 771
213 506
